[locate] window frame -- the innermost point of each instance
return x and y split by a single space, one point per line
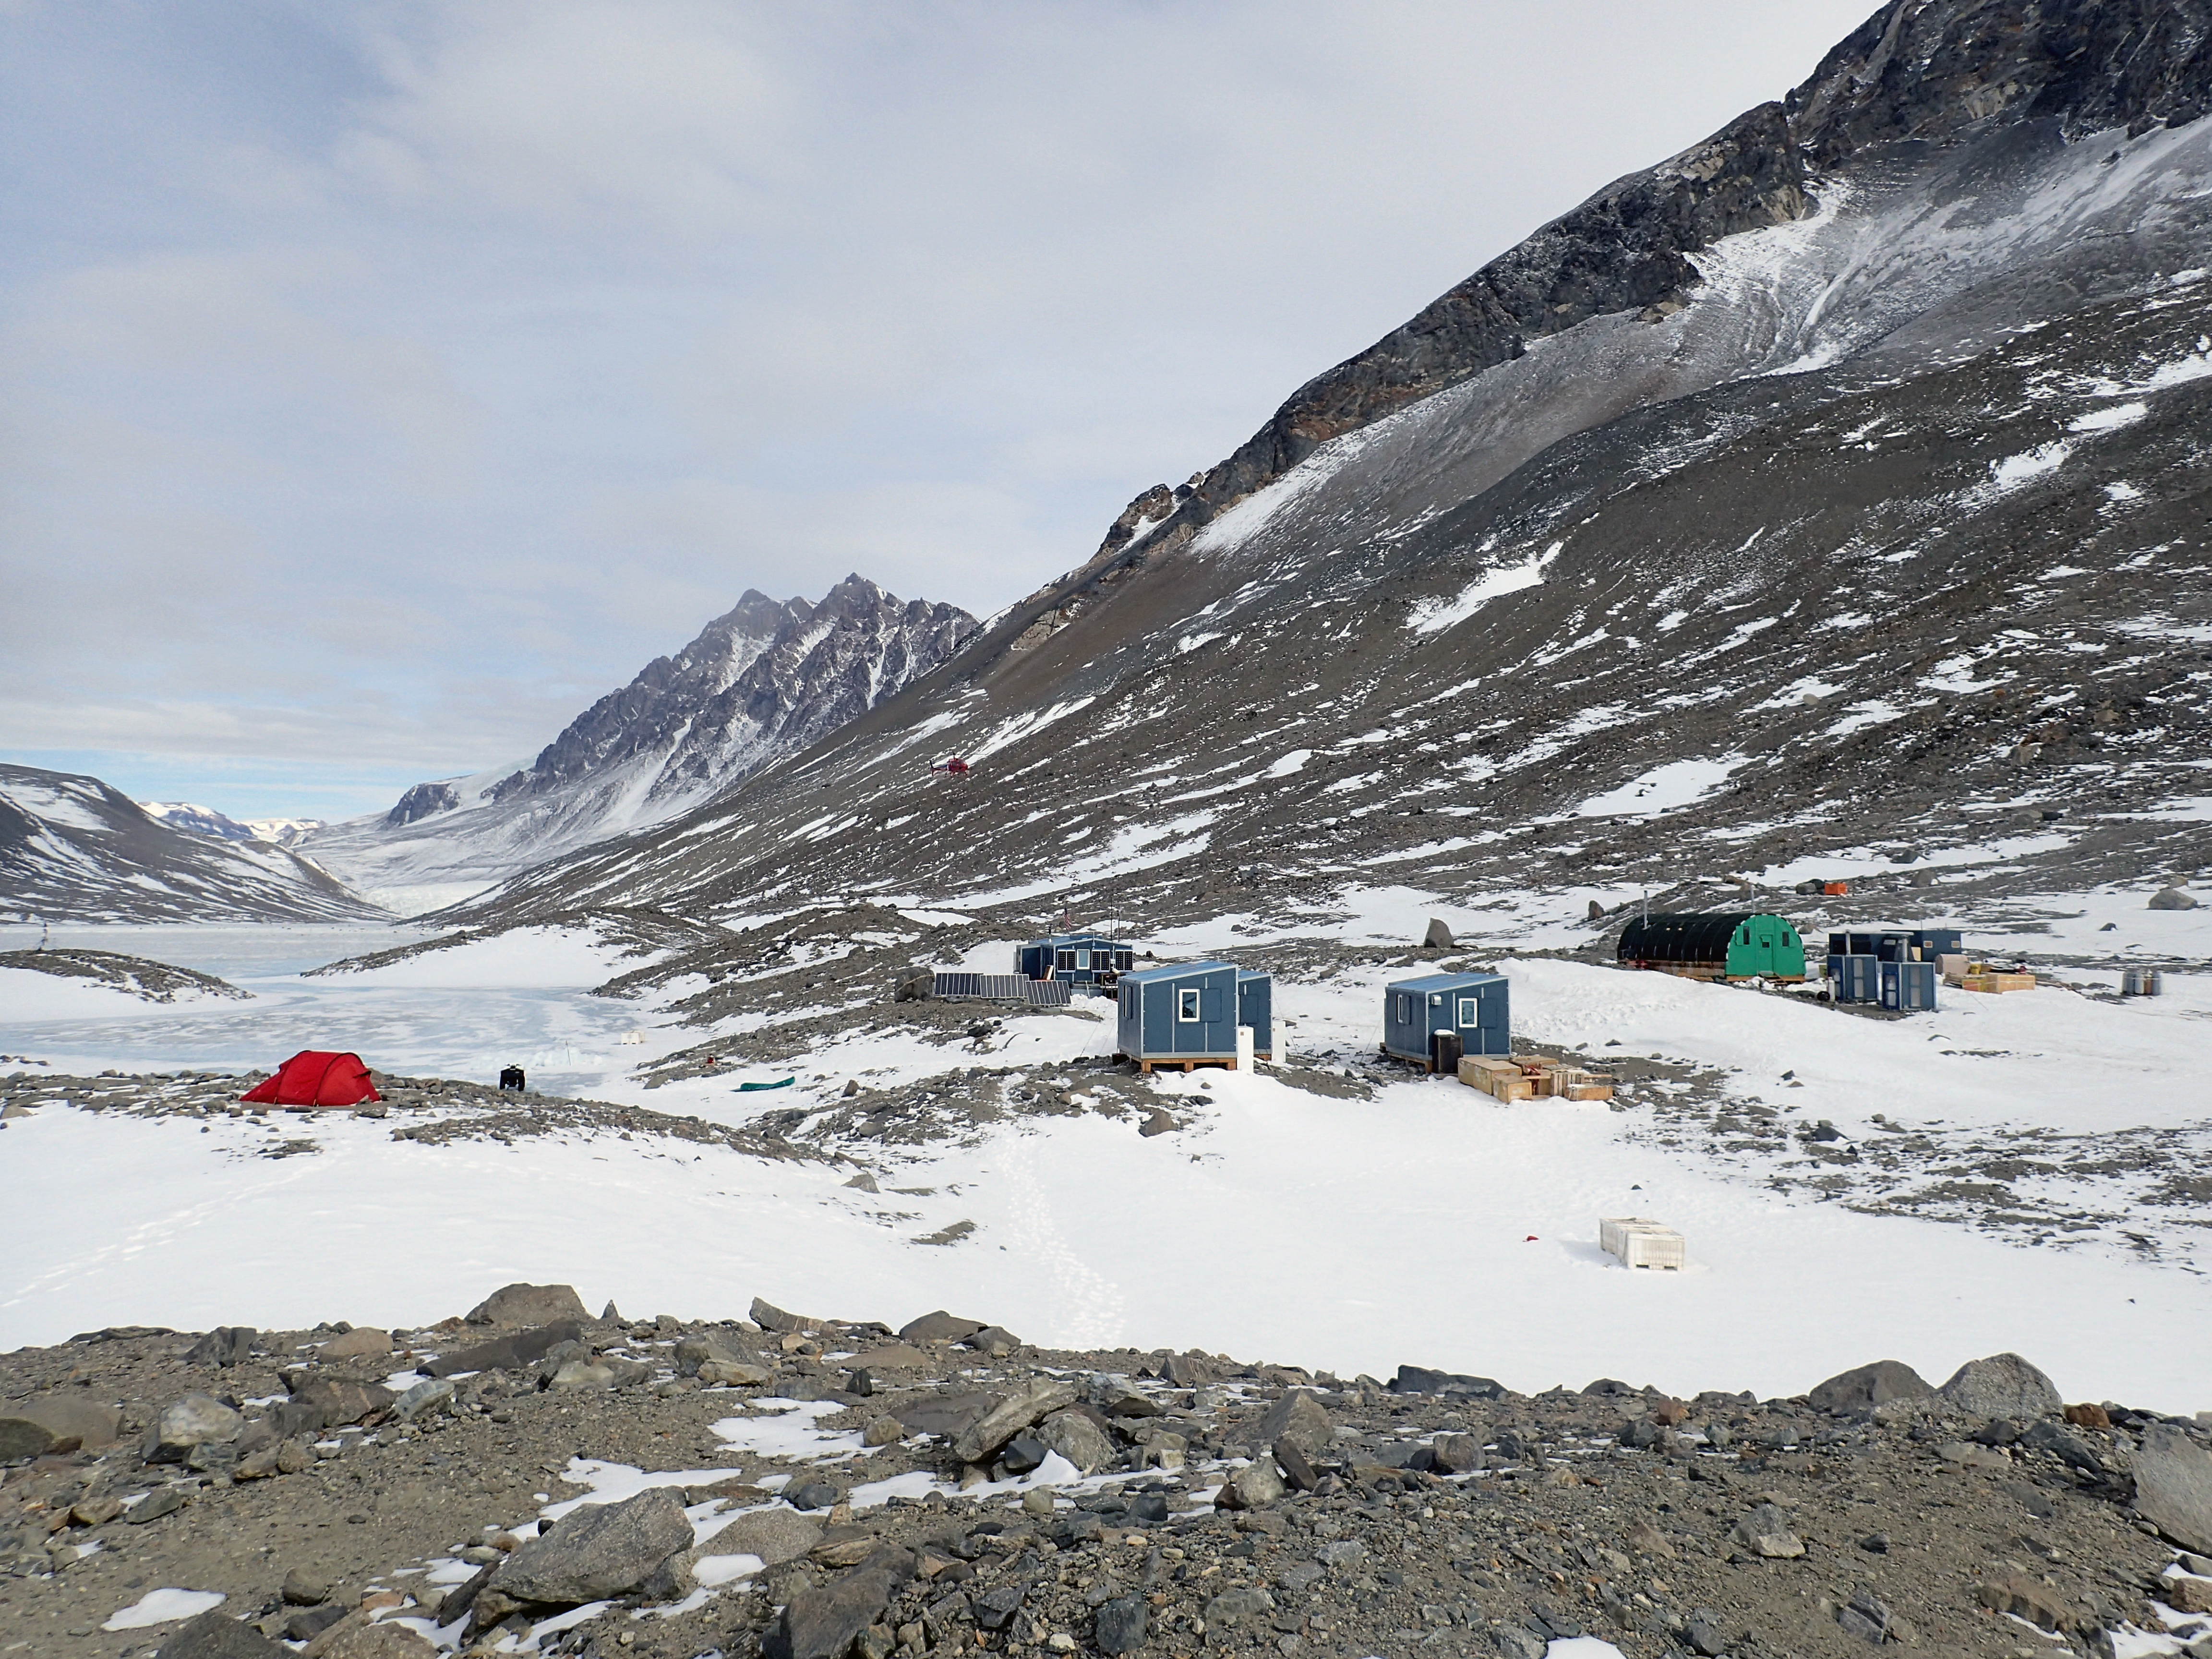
1189 1004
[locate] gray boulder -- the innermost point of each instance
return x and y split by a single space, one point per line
1077 1437
2171 898
598 1550
985 1436
1419 1379
770 1317
712 1347
529 1304
1865 1387
939 1326
823 1624
1765 1532
1120 1625
337 1401
2173 1487
197 1419
1298 1417
215 1635
54 1423
1438 936
2003 1385
1255 1486
507 1353
775 1535
223 1346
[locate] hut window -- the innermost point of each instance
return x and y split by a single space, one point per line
1405 1008
1466 1011
1083 959
1187 1007
1064 958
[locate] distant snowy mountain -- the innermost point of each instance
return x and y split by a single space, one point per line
73 850
284 832
196 820
764 681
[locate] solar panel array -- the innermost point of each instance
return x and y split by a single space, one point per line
1002 988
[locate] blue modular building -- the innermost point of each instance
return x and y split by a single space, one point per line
1472 1009
1079 959
1186 1012
1900 944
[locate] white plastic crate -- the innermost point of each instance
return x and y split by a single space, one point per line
1642 1243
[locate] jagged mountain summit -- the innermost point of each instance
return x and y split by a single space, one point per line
1830 497
765 680
73 850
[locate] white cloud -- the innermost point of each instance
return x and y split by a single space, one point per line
516 341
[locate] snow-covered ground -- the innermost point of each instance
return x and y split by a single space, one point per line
1427 1224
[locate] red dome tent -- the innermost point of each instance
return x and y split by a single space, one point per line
311 1077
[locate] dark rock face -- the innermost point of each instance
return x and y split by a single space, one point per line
765 679
424 800
506 1352
1928 72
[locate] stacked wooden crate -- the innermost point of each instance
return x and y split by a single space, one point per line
1980 976
1639 1243
1525 1079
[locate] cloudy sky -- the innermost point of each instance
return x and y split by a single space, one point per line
383 382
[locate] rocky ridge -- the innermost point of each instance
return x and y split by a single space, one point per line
762 682
949 1488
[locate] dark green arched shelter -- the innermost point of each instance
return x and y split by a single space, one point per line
1715 945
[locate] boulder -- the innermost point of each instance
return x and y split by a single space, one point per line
890 1356
938 1326
582 1373
994 1339
1865 1387
775 1535
2173 1486
197 1419
1298 1417
824 1624
1456 1453
1076 1436
943 1414
2023 1598
1438 936
349 1639
1121 1624
1033 1404
362 1342
1185 1371
1766 1533
340 1401
594 1552
711 1346
433 1396
507 1353
223 1346
1418 1379
2171 898
2003 1385
215 1635
55 1422
529 1304
733 1374
303 1590
770 1317
1255 1486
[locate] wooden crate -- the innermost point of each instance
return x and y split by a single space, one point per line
1590 1091
1997 983
1639 1243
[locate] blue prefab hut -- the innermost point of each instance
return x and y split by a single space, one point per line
1080 959
1180 1014
1472 1008
1255 1008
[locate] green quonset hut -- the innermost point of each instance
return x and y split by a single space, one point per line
1715 945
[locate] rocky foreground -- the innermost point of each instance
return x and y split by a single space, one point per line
811 1489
